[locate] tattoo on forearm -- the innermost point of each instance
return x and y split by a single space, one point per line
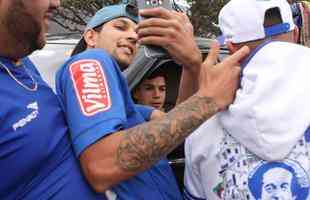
142 146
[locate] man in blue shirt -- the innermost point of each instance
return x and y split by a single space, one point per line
36 157
120 154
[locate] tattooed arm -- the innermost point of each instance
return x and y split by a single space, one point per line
138 148
142 146
157 114
124 154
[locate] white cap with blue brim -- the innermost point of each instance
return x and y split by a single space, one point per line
243 20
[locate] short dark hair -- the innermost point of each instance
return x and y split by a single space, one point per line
272 17
160 71
153 73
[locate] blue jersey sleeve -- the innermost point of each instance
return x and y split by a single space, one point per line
89 89
145 111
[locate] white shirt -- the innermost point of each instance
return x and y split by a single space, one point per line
257 148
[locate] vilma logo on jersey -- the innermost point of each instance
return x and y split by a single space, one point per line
90 86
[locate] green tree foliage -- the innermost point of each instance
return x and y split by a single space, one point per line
204 15
73 14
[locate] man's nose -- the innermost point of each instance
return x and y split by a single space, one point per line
54 4
157 93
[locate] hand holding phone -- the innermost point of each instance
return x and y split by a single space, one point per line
150 50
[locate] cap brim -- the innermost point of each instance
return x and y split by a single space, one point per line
277 29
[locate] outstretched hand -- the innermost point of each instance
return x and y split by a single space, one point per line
220 81
172 31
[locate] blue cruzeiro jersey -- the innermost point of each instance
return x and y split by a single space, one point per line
36 157
97 102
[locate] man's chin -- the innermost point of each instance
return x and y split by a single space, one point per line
123 63
123 67
38 44
41 45
27 48
41 42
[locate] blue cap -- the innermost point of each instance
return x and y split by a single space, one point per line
109 13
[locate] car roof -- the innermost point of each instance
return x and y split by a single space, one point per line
57 50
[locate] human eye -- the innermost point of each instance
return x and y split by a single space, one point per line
162 89
148 88
270 188
120 25
284 186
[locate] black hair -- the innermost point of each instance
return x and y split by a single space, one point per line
160 71
272 17
82 45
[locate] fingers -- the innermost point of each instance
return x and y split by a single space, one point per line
212 55
237 57
221 81
155 12
156 22
237 72
172 31
154 40
155 31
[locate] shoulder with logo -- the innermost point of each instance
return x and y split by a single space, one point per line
90 73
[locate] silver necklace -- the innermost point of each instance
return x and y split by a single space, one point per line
33 89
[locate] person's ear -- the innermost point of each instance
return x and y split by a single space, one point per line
135 94
90 37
